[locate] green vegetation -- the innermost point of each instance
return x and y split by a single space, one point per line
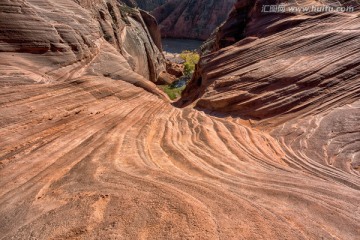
191 58
173 93
175 89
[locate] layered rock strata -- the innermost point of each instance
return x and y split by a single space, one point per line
280 66
90 149
68 35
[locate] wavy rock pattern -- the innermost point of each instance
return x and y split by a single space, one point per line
94 158
65 36
282 67
86 157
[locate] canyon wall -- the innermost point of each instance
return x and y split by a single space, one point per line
271 66
66 37
186 19
191 19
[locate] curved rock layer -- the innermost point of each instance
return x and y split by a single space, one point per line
282 66
86 157
191 19
294 75
62 37
93 158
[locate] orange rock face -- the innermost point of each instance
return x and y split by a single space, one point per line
90 149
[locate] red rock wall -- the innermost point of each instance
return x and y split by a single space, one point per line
191 19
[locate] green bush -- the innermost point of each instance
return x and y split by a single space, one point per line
191 58
173 93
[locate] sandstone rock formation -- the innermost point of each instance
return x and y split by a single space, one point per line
166 78
153 28
191 19
174 68
66 36
90 149
281 66
172 73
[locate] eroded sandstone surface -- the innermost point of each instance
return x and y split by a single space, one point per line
90 149
276 67
57 40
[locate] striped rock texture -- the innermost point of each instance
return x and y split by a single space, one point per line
92 150
63 37
282 66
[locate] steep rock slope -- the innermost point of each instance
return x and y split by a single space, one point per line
279 66
191 19
65 36
86 157
295 75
